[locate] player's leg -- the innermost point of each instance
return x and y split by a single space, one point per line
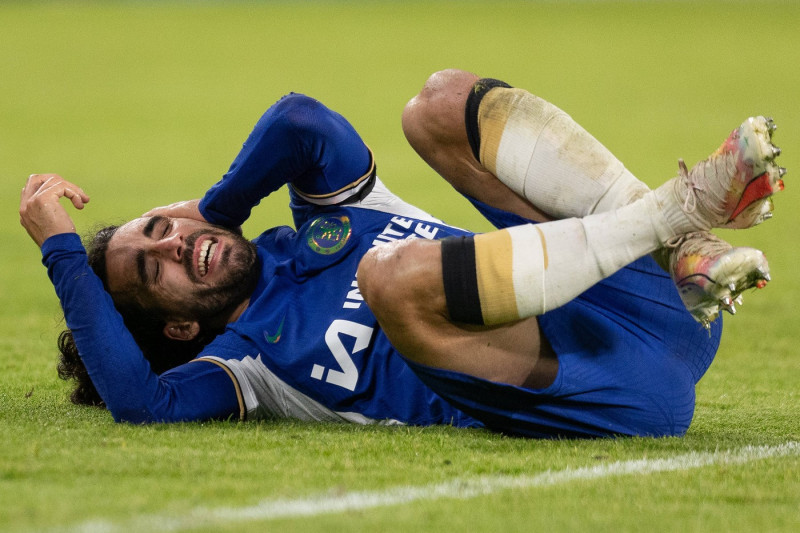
535 150
434 124
521 272
464 126
539 153
402 284
469 304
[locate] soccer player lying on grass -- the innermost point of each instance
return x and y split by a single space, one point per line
559 323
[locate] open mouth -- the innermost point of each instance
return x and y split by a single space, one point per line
208 249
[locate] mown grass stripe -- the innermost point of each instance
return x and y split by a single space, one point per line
463 488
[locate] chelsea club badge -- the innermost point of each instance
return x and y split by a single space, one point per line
328 234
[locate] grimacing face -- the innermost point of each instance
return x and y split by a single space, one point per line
189 269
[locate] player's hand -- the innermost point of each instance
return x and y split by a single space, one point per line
186 209
41 212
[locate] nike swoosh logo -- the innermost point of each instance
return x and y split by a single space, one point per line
272 339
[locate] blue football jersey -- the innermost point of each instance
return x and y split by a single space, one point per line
308 346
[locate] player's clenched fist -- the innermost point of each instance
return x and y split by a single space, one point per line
40 211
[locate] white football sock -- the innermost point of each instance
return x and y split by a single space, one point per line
527 270
546 157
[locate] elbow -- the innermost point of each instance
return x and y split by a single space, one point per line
298 109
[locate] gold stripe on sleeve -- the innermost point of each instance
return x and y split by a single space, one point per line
239 395
493 265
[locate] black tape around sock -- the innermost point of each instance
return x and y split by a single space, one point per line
461 280
479 90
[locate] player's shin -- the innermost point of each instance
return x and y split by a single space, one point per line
527 270
543 155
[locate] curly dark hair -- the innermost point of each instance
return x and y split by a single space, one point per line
144 324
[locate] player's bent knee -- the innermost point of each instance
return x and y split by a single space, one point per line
402 279
438 110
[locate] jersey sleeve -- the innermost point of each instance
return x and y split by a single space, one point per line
300 142
118 369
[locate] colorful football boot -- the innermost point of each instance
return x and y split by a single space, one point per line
732 187
711 275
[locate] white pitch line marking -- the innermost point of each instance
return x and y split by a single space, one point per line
456 489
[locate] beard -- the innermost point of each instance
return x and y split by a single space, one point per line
211 306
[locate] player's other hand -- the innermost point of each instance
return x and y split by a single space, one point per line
41 213
185 209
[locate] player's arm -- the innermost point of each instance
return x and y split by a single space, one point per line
116 365
297 141
118 369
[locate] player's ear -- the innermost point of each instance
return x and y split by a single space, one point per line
181 330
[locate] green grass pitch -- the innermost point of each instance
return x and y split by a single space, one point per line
146 103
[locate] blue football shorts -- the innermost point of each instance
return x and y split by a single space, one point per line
629 357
